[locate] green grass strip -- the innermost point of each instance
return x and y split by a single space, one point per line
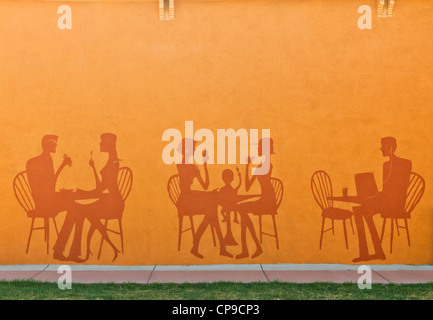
27 290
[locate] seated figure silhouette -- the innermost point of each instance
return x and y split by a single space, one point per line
228 195
110 204
198 202
49 202
391 200
266 204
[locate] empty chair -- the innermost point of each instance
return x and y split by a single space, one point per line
414 194
321 188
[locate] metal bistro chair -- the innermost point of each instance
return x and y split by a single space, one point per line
23 194
277 185
321 188
413 196
124 183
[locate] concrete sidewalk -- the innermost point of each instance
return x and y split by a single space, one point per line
295 273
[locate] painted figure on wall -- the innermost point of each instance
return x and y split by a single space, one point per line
401 191
192 203
197 202
107 198
266 204
392 198
49 202
110 204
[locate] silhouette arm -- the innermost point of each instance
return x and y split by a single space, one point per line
204 183
239 183
95 174
59 170
95 193
97 180
66 161
248 182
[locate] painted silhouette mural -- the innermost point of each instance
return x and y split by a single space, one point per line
401 191
198 202
35 189
228 199
190 203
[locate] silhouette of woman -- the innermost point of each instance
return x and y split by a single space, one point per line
267 202
195 201
110 205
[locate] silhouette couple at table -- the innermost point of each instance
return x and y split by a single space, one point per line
48 202
206 203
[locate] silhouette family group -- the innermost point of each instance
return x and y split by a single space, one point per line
190 203
40 178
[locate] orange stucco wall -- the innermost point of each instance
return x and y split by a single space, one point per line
327 90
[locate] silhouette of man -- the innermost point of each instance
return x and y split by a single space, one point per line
42 179
49 202
391 200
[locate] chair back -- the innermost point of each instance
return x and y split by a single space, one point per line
173 188
23 192
124 181
321 187
414 192
277 185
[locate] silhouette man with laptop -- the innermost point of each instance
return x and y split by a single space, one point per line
391 200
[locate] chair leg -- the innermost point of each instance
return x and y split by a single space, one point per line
47 233
351 224
332 226
392 235
121 233
321 233
398 227
407 232
30 235
260 228
345 233
102 240
55 226
180 232
383 230
275 231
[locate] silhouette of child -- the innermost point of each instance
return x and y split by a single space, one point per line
228 195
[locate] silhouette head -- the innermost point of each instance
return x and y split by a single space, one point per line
108 142
265 141
49 143
227 176
389 145
184 147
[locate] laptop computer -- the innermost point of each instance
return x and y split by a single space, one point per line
365 184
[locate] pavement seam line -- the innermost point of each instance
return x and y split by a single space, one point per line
151 273
381 276
264 273
46 267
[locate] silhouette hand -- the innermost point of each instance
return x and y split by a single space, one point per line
67 160
205 156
